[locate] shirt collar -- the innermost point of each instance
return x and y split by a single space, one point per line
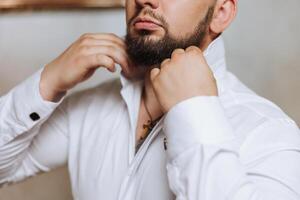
132 89
215 57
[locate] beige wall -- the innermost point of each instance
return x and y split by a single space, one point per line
263 49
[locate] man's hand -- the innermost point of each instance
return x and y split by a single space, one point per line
186 74
80 61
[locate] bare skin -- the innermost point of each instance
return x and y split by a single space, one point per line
79 62
173 83
186 74
153 105
165 87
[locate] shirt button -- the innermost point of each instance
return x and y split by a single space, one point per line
34 116
165 143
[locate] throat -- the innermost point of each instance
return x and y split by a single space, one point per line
149 113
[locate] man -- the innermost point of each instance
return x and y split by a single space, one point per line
176 125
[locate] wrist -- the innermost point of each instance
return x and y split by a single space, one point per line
48 91
51 95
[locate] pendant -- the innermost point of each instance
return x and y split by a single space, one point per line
148 127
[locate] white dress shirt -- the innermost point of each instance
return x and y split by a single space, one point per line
237 146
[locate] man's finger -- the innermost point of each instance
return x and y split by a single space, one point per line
105 36
165 62
100 60
177 52
193 48
154 73
99 42
117 54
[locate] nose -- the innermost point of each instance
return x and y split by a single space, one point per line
150 3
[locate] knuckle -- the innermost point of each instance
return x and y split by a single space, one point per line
85 41
113 50
115 39
177 52
110 49
110 62
118 44
85 35
193 49
106 61
111 35
123 61
165 62
83 49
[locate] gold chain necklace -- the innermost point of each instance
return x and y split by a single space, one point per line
147 128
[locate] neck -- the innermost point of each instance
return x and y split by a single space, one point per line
150 98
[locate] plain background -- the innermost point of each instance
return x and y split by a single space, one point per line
262 45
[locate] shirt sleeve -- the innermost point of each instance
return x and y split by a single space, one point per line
204 161
33 133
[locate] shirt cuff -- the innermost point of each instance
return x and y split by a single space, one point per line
198 120
24 107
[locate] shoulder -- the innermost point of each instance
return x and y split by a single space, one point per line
260 125
243 104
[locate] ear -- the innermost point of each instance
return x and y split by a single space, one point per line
224 13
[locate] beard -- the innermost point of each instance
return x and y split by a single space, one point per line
146 52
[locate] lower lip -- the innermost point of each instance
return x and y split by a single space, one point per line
146 25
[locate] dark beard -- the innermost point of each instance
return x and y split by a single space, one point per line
145 52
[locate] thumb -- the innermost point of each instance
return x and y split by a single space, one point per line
154 73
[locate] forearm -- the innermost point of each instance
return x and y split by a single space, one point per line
204 161
22 113
208 172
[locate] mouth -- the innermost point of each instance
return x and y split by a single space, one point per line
143 23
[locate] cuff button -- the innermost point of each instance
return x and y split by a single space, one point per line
34 116
165 144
